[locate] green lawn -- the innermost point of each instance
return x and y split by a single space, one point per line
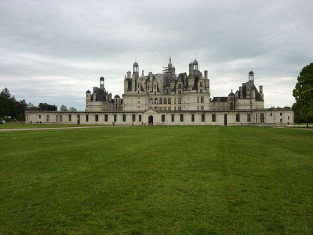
157 180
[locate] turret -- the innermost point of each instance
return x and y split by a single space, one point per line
102 83
251 77
88 96
195 65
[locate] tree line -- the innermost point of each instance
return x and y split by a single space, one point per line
11 109
303 93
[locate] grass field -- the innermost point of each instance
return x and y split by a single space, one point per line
157 180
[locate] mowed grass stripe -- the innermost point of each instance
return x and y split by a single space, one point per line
157 179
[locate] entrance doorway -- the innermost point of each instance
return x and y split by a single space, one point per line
225 119
150 120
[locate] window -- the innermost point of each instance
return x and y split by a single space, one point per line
192 118
173 117
124 118
202 107
70 117
179 92
248 118
138 101
174 100
179 100
179 108
165 101
181 117
169 101
47 118
169 109
262 117
237 118
202 99
87 117
60 118
163 118
139 118
96 117
202 117
281 114
115 117
271 114
179 86
213 117
134 117
281 120
160 100
106 118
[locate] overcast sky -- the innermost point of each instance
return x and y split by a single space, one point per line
54 51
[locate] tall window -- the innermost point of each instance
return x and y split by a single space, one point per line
179 86
179 100
96 117
60 118
169 101
115 117
165 101
87 117
70 117
202 117
163 118
124 118
192 118
47 118
202 99
262 117
173 117
213 117
181 117
161 101
134 117
248 117
106 118
139 118
237 118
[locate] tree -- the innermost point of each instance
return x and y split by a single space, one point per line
30 106
63 108
72 109
47 107
303 94
6 93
